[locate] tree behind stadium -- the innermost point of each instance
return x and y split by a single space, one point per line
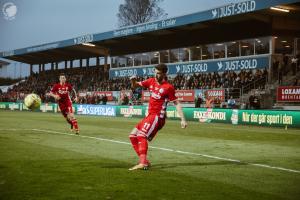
139 11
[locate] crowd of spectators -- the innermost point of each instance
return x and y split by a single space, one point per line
86 80
228 79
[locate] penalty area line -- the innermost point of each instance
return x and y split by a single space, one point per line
165 149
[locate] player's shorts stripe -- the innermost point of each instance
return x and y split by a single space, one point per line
153 126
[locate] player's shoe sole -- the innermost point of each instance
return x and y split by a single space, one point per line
139 167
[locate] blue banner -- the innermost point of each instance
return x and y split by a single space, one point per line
204 66
212 14
87 109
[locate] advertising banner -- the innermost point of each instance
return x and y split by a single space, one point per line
182 95
101 110
109 94
269 118
131 111
3 105
216 94
288 94
204 66
185 95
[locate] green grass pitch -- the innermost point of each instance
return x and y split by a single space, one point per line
41 159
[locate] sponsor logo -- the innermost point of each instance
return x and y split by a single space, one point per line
9 11
234 9
84 39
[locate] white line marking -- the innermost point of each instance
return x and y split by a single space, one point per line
164 149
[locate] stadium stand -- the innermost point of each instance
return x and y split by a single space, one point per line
88 80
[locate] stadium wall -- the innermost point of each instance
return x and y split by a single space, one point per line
269 118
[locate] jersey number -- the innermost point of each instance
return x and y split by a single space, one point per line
146 126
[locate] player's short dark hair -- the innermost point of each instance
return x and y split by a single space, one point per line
162 67
62 74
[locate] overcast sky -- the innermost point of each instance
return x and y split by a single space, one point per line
43 21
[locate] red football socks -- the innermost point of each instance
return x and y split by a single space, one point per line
69 121
143 149
75 124
134 143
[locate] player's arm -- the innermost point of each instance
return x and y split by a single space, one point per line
75 95
55 96
180 113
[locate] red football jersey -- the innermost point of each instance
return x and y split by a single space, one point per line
62 91
160 95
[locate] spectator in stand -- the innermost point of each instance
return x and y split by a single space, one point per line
296 82
251 101
231 103
198 101
104 99
294 65
217 102
91 79
256 102
125 100
209 102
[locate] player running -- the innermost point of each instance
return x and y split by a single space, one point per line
162 92
60 92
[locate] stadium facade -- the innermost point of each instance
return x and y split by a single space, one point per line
249 35
243 35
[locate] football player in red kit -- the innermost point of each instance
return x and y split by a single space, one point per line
161 92
60 92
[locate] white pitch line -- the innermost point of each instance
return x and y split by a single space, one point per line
166 149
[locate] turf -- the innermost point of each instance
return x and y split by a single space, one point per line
41 159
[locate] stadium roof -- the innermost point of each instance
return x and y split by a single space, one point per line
248 19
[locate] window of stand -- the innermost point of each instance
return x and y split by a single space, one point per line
183 54
206 52
129 60
164 56
119 61
284 45
195 53
154 57
233 49
219 50
145 59
174 55
262 45
247 47
138 60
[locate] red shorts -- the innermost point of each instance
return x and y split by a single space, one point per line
150 125
65 108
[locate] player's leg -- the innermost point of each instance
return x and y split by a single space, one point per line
146 128
74 122
134 141
64 112
72 118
